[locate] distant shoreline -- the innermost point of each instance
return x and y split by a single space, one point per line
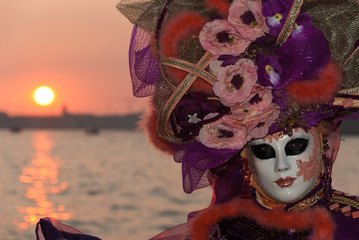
91 122
70 121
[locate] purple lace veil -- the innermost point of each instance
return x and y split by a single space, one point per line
144 68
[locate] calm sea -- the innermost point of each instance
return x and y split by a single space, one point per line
113 185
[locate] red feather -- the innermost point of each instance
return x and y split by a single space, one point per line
318 219
222 6
178 29
320 89
148 124
182 27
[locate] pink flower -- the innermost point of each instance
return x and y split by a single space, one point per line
247 121
263 121
220 37
259 99
235 82
227 132
258 113
247 17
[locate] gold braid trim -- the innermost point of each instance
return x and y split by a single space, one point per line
168 82
354 91
190 68
344 200
351 56
181 89
290 22
340 102
306 203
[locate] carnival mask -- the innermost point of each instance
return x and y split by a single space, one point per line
285 168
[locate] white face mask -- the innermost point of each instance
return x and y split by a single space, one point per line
285 168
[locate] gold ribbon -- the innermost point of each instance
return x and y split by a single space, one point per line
190 68
341 101
290 22
194 71
351 56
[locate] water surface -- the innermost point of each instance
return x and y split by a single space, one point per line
113 185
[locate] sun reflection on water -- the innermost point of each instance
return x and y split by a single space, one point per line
42 177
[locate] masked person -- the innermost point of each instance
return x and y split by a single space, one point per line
290 194
248 96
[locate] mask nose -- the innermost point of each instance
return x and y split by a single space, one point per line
282 163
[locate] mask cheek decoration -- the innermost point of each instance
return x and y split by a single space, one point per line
310 169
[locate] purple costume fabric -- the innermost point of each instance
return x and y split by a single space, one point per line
144 68
196 159
52 233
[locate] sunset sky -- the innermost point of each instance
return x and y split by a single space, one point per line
78 48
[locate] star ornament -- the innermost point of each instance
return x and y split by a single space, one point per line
193 118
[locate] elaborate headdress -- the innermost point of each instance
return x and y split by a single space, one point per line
225 72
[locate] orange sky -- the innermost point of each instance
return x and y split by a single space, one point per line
78 48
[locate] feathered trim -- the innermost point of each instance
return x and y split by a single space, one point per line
185 26
222 6
317 219
320 89
148 125
153 46
179 28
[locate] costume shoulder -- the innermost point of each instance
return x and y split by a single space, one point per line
345 211
176 233
345 204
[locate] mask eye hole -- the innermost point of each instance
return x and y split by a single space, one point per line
296 146
263 151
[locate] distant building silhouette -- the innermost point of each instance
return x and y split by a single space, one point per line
70 121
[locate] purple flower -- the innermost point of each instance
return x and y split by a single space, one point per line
271 7
303 23
190 112
276 12
303 56
269 70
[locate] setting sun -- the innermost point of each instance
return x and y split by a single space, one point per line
44 95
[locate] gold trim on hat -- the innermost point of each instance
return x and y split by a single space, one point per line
190 68
290 22
351 56
340 102
353 91
194 71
